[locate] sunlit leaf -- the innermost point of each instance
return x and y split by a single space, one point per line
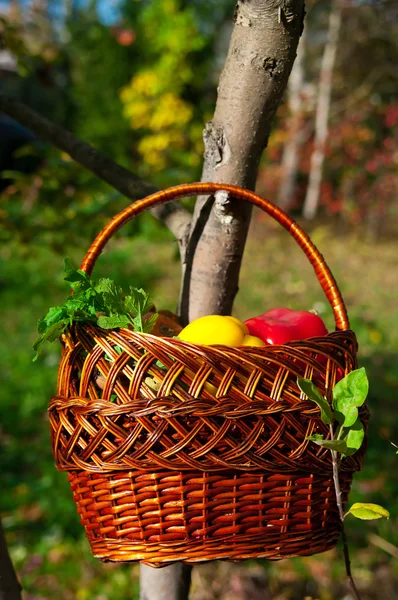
368 511
348 394
354 437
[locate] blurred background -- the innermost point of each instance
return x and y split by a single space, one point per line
138 79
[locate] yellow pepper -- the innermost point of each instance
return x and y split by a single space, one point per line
243 327
218 330
252 340
211 330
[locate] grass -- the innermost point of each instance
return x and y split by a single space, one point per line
42 527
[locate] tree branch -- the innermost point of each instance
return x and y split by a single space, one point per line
10 588
175 217
260 57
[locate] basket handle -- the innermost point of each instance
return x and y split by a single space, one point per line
322 271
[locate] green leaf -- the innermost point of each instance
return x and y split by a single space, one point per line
54 315
354 437
68 267
348 394
367 511
312 392
105 286
149 323
113 322
138 302
336 445
73 275
41 325
53 333
160 365
112 295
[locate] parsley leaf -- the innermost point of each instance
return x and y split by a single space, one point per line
113 322
149 323
139 303
102 302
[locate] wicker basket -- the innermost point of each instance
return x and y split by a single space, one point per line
188 473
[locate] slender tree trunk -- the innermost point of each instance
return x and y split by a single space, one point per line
296 131
322 112
10 588
170 583
260 57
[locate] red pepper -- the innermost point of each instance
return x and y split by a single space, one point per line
282 325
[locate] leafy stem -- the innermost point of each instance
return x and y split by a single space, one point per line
348 395
336 481
336 465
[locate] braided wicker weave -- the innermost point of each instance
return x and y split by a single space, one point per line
214 464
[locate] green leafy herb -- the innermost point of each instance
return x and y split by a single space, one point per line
138 303
103 303
113 322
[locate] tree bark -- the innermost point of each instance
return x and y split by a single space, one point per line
311 201
260 57
175 217
170 583
10 588
296 132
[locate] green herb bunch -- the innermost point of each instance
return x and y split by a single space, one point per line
101 302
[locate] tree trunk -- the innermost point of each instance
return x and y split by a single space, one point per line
170 583
260 57
10 588
322 112
296 130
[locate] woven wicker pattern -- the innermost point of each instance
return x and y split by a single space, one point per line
160 517
254 419
184 452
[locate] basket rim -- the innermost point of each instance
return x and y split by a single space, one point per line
136 335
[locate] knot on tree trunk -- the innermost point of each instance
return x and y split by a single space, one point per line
217 150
